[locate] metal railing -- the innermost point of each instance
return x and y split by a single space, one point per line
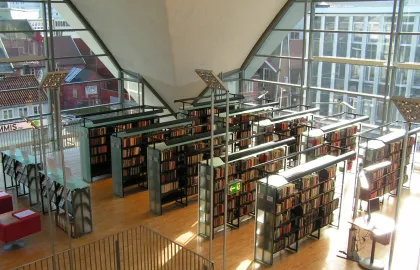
137 248
27 139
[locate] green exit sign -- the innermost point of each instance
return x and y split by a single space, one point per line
235 187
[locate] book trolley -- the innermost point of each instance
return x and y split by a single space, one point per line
337 137
375 149
240 167
78 199
22 174
172 167
129 151
95 150
297 203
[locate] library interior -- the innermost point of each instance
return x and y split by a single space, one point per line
240 134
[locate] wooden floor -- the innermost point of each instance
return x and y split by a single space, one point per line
112 215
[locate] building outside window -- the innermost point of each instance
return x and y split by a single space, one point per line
7 114
23 112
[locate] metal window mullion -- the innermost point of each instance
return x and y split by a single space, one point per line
395 56
304 49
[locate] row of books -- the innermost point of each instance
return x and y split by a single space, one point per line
311 204
331 206
97 141
287 204
247 198
284 242
192 190
282 230
248 163
93 132
195 158
131 152
99 150
342 133
156 138
251 175
285 191
166 155
192 180
247 209
165 188
167 166
131 141
219 172
309 193
249 186
94 160
122 127
134 171
202 112
128 162
61 221
168 177
180 132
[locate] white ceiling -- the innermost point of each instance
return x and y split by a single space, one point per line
165 40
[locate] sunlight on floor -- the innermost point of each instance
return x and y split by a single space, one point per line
185 238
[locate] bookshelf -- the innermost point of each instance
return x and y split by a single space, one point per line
337 138
129 151
241 165
289 124
95 151
377 150
22 174
243 118
171 168
296 204
77 197
202 110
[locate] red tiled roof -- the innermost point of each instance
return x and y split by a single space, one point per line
20 97
18 82
24 91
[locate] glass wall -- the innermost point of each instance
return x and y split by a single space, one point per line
34 41
361 52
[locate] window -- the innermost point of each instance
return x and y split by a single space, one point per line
74 92
32 71
23 112
295 35
266 74
7 114
35 108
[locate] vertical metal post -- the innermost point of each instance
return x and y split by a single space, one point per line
120 88
45 168
53 94
309 68
395 57
399 188
142 94
211 176
388 70
117 254
225 215
61 153
302 77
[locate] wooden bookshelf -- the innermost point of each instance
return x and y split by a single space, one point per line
129 151
95 148
77 197
168 164
337 139
297 203
381 149
240 167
